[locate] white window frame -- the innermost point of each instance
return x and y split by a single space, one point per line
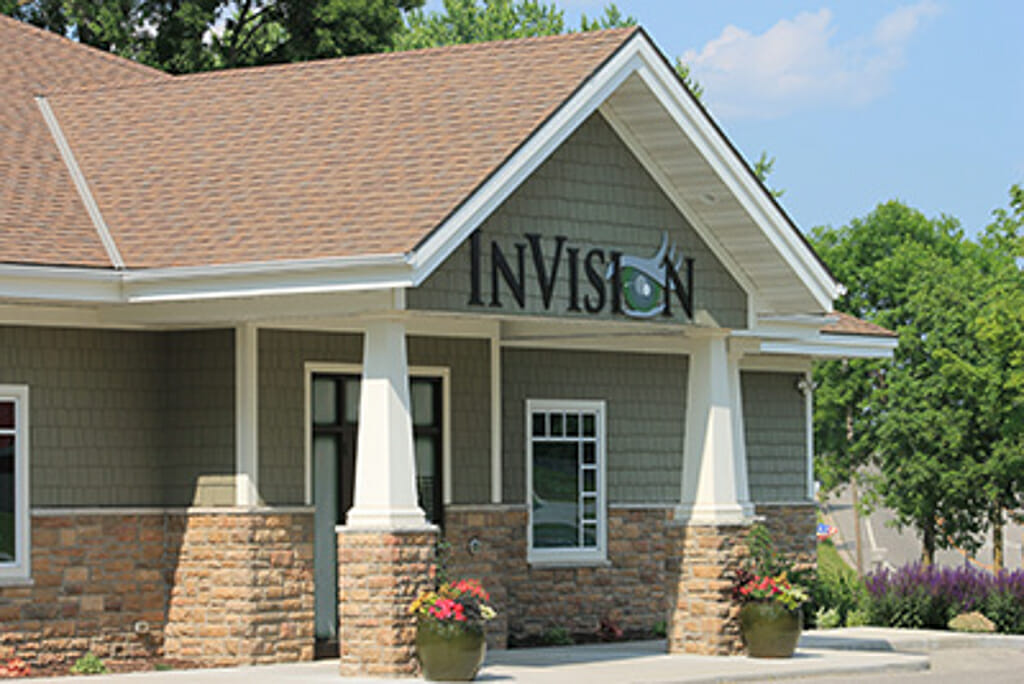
20 570
579 555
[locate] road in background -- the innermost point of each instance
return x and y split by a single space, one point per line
884 544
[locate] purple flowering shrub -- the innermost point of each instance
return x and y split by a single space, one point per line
928 597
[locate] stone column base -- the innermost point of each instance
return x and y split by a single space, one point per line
380 573
703 618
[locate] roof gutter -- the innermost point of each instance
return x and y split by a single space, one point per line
192 283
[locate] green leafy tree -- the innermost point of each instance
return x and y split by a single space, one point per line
985 370
469 21
913 275
181 36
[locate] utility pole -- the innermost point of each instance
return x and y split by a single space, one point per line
854 495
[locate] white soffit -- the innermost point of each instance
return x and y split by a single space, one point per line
784 271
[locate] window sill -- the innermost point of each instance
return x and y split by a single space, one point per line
16 582
586 562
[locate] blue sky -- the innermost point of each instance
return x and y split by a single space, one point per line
858 101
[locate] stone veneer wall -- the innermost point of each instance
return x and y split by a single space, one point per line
631 590
380 573
703 615
242 591
93 576
655 568
215 588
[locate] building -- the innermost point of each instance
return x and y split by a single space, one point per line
266 333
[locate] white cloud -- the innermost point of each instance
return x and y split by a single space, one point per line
798 63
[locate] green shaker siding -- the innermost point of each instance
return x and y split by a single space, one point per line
593 191
645 397
124 418
199 427
282 359
95 400
776 429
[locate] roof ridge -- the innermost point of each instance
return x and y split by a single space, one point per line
116 60
404 54
327 62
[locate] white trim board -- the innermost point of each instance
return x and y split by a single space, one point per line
78 178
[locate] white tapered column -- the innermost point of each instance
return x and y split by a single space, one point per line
385 487
715 488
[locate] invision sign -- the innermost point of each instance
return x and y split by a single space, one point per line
596 279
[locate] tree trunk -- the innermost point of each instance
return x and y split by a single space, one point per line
998 561
928 544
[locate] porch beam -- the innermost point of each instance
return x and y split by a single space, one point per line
385 486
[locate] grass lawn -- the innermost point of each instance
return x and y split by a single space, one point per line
830 562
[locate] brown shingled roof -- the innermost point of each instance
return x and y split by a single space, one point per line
357 156
851 325
42 219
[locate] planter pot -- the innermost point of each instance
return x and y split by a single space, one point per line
447 654
770 630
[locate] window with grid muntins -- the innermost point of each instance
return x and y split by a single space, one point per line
566 462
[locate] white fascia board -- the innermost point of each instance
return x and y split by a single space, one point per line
261 279
53 284
489 196
835 347
733 172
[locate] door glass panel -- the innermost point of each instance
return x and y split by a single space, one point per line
422 397
7 545
426 477
555 491
352 400
325 411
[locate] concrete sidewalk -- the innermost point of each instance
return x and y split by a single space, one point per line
641 661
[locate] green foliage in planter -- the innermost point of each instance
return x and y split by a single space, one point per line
89 664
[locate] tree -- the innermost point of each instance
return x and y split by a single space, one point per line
181 36
913 275
986 368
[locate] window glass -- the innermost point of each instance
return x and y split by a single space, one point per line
7 492
6 415
555 492
325 412
422 398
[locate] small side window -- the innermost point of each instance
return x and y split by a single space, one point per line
14 518
565 474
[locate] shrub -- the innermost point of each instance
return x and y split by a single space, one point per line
1005 603
919 596
828 618
556 636
89 664
836 587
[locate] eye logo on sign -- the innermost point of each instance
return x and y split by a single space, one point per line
643 280
638 287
